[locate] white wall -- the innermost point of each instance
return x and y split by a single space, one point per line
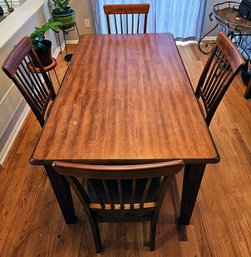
83 11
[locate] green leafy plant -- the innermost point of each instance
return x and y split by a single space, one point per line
61 4
37 37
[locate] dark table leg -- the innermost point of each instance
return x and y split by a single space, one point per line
62 191
191 183
248 90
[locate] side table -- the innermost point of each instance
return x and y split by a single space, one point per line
66 32
237 28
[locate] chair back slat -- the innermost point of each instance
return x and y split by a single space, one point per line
216 78
133 193
36 88
132 22
211 73
222 66
121 24
218 86
37 79
146 191
108 195
115 22
22 78
125 15
139 23
121 198
95 191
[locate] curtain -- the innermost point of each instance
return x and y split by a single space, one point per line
183 18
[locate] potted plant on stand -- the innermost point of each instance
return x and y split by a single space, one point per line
43 46
64 14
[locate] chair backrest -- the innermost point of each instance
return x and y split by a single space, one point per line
36 88
120 192
126 18
222 66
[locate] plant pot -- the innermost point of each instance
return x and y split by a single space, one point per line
245 75
66 17
65 11
44 55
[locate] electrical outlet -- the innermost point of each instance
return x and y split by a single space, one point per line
87 23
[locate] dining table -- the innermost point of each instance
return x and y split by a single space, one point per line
126 99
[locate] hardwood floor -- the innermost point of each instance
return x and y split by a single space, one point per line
31 223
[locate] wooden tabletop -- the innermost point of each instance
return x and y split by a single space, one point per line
126 99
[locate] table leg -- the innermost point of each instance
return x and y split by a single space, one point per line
248 90
191 183
62 191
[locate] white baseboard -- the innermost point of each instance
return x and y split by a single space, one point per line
13 134
210 38
184 43
72 42
57 52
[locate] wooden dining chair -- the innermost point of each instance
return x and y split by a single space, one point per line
126 18
36 87
115 193
222 66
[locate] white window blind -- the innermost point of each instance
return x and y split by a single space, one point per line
13 3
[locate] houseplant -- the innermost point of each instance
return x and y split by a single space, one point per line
63 13
43 46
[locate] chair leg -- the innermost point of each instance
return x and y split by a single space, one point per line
152 234
95 232
56 75
248 90
49 75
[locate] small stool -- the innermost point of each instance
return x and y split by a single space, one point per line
47 69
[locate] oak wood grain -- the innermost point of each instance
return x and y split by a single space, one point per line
126 99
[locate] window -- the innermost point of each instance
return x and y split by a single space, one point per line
11 3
